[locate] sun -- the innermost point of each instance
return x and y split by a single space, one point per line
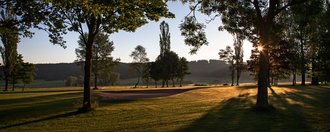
260 48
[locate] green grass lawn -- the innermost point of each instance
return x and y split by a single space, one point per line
196 109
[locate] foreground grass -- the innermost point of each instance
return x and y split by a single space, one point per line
196 109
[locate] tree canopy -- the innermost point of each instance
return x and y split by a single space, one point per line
96 16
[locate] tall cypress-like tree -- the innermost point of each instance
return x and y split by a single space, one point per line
164 38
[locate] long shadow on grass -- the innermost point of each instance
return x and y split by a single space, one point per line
236 114
47 90
43 119
37 110
130 95
37 98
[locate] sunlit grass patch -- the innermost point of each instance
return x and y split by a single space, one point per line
194 109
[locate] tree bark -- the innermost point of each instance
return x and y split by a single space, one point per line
88 62
6 83
232 75
163 83
181 82
138 81
93 30
315 80
302 62
6 77
95 81
13 83
294 78
262 96
237 75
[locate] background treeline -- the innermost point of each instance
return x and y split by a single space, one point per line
202 71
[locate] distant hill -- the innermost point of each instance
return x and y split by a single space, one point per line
202 71
60 71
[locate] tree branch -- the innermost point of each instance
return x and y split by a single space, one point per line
294 2
256 6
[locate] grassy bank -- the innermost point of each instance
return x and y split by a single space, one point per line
195 109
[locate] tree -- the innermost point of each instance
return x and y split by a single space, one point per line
168 67
18 67
194 33
71 81
16 18
147 74
102 16
165 38
228 56
28 73
304 15
140 61
183 69
256 22
324 47
102 49
113 78
10 39
238 49
155 71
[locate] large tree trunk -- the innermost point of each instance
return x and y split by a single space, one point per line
262 96
88 62
93 29
87 91
87 106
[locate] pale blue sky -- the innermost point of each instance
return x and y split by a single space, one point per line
40 50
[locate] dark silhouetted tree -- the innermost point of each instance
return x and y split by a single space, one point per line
103 61
165 38
140 61
238 51
182 70
27 73
228 56
255 19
